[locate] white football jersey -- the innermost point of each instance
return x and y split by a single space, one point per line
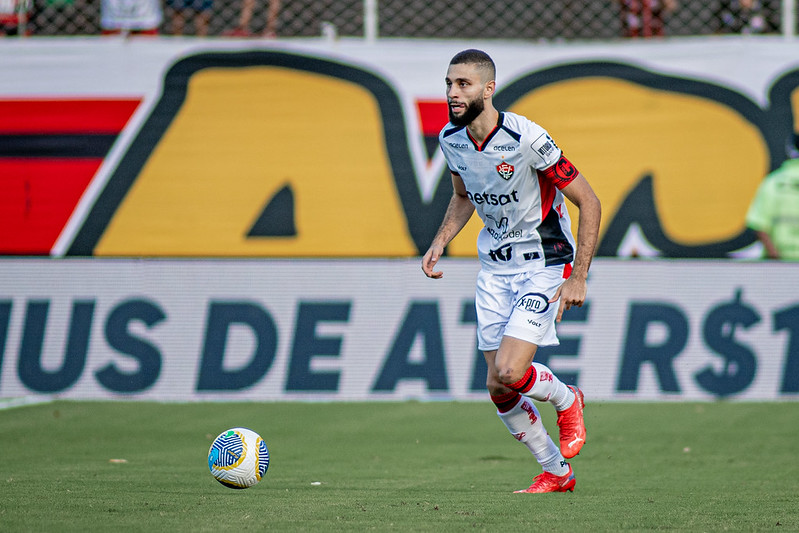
526 224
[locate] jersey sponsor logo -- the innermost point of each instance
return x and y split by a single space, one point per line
505 170
530 256
501 224
504 148
503 253
533 302
544 145
459 146
500 231
493 199
502 235
462 168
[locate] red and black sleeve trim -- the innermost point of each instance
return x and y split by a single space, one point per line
561 173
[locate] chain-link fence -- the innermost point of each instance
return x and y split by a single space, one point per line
468 19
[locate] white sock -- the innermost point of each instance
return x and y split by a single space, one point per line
548 388
524 423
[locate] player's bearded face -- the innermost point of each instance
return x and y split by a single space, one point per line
468 113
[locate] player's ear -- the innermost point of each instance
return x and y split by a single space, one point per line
488 90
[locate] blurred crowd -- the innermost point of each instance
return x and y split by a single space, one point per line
136 17
647 18
267 19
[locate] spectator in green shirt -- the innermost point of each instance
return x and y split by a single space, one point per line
774 213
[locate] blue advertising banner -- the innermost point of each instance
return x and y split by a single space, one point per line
188 330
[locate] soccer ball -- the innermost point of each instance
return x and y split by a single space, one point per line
238 458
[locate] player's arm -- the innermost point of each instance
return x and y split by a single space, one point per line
759 217
459 211
580 193
573 290
768 244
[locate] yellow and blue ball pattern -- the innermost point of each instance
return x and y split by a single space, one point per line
238 458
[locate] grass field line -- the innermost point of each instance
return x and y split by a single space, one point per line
12 403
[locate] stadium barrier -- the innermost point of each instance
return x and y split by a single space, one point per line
161 149
188 330
219 149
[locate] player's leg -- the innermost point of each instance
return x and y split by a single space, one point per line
522 419
513 318
568 402
532 324
514 359
494 300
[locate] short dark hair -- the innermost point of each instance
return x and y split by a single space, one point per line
476 57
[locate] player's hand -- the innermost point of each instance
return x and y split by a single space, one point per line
429 262
571 293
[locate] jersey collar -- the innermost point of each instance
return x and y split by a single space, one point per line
481 147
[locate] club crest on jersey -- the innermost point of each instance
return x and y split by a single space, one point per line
505 170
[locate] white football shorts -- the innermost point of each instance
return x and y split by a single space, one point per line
517 305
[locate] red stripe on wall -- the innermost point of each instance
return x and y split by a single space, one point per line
37 198
65 116
433 115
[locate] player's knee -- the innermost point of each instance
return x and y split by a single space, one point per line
509 375
495 387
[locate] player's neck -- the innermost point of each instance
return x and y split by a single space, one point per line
484 124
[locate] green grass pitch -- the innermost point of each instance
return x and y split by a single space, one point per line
409 466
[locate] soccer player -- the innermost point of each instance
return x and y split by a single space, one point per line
512 173
774 211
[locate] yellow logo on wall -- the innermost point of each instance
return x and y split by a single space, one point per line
275 155
264 160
